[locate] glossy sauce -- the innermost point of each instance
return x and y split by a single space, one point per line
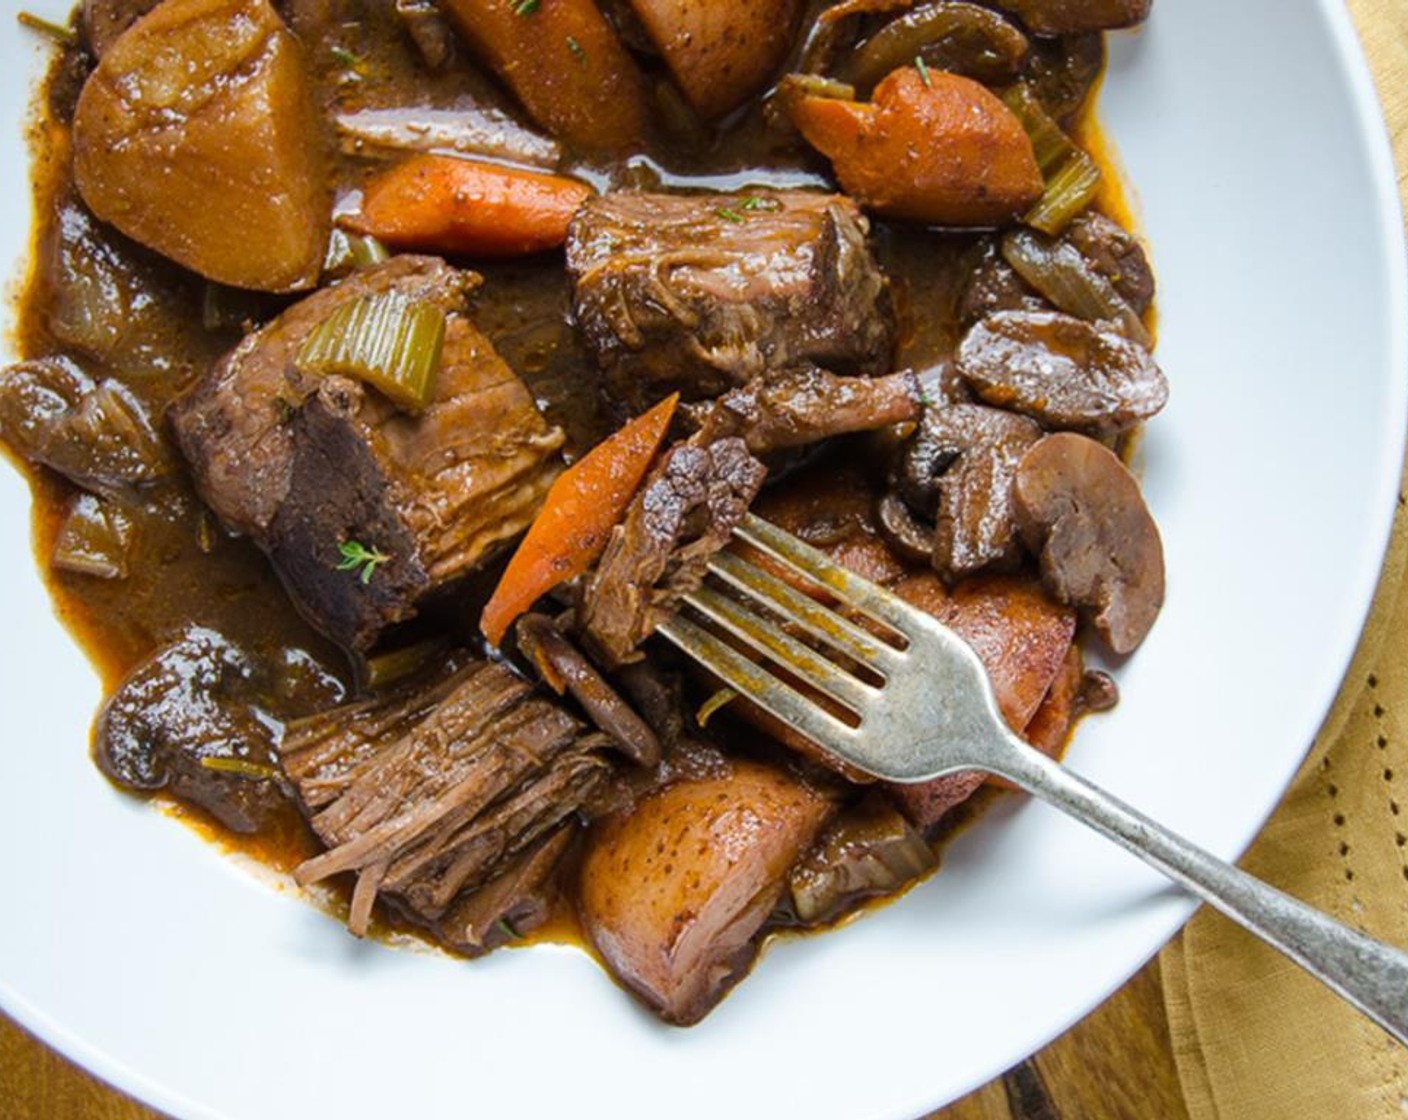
186 569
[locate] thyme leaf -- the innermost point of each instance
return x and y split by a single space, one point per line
356 555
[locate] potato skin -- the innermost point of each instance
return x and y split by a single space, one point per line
197 136
673 892
720 52
939 149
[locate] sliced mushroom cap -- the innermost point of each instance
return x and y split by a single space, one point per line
1082 512
674 893
958 469
1062 372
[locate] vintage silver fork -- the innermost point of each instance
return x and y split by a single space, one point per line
928 709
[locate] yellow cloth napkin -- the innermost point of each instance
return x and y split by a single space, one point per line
1253 1036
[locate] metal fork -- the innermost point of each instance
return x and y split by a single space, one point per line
935 713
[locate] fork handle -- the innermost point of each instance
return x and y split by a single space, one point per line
1369 974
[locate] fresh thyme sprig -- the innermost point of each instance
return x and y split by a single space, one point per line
356 555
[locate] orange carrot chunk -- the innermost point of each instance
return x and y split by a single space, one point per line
576 520
928 147
441 204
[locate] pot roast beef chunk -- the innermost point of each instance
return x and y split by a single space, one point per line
97 435
957 470
1081 511
515 904
304 465
564 669
674 893
435 790
805 406
683 514
702 293
184 720
1062 372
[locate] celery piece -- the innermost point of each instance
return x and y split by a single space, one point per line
1059 271
386 340
1072 178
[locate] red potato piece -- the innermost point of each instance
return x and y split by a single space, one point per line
673 893
1081 511
564 63
720 52
197 136
936 148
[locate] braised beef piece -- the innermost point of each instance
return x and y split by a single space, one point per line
95 434
513 905
702 293
683 513
565 669
185 720
307 465
806 406
435 790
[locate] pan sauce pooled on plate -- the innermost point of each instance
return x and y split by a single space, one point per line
387 380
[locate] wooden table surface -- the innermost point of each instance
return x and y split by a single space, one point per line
1115 1065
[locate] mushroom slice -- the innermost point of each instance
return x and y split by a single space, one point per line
1062 372
1082 512
970 455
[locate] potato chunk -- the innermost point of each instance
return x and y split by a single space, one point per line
674 893
197 136
720 53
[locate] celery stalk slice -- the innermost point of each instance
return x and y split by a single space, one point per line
386 340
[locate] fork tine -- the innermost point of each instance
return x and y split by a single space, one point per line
806 612
821 569
800 660
757 684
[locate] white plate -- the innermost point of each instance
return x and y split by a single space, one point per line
1252 135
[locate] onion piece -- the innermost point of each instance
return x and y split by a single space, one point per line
949 35
1062 274
95 539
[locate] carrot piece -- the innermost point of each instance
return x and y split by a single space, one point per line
576 520
929 147
442 204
